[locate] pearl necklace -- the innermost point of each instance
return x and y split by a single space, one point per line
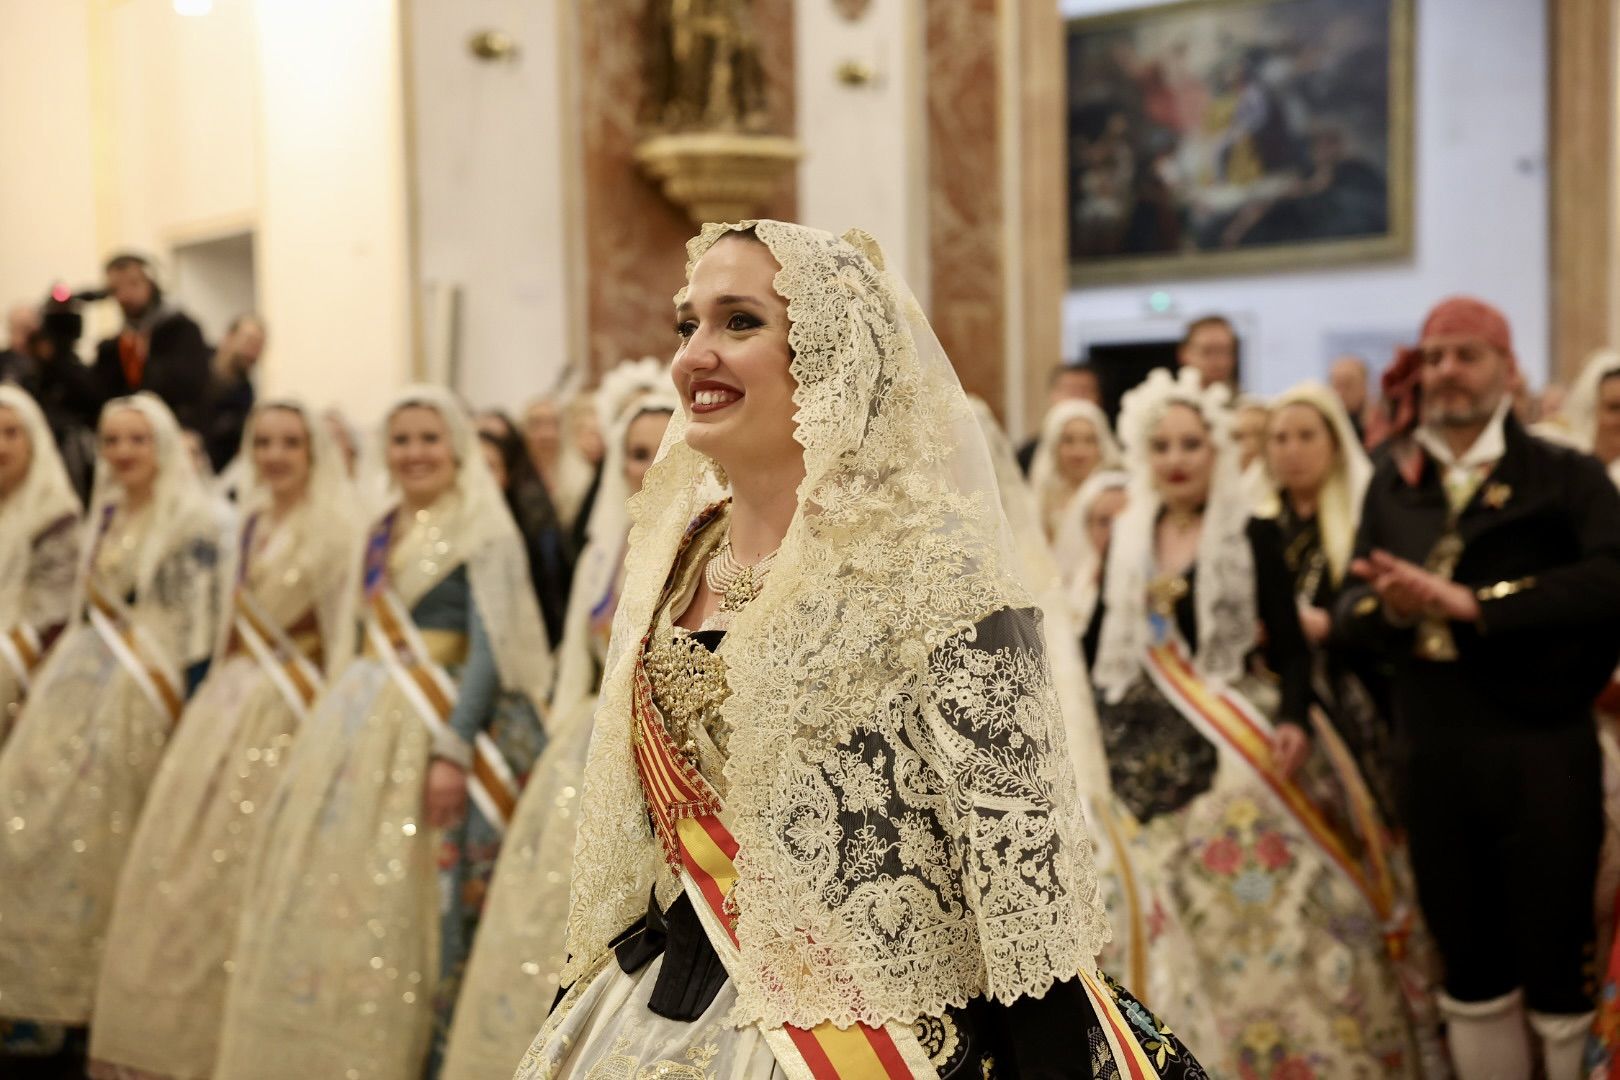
733 582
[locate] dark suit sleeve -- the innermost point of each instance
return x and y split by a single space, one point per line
1359 622
177 370
1286 652
1585 592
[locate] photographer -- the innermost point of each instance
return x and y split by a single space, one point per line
160 348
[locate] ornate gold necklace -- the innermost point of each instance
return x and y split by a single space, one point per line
734 583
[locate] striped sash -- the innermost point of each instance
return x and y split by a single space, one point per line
21 650
686 815
490 782
1226 718
134 649
292 673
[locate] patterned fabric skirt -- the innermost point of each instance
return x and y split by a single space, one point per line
162 992
512 976
1262 953
338 950
73 779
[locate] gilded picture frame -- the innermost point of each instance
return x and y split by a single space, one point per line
1213 138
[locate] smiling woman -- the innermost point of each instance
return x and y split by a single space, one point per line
829 747
74 776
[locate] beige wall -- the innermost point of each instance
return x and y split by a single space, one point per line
333 246
47 201
865 162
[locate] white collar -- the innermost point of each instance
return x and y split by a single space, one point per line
1486 450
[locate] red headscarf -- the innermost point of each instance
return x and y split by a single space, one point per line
1458 316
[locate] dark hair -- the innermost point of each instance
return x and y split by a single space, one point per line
124 260
1207 320
1082 368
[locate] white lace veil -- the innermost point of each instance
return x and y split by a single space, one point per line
1075 539
1227 618
1580 409
44 497
1338 509
497 564
898 780
324 526
633 388
1044 476
181 508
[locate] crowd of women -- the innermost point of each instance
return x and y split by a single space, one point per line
295 784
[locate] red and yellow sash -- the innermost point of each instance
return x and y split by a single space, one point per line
135 651
686 815
295 676
1226 718
22 651
490 782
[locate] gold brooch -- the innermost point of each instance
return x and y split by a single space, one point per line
1496 495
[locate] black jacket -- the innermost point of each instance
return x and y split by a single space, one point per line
176 370
1541 547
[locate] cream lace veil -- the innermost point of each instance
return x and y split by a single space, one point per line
1043 467
1339 505
1225 588
629 390
497 566
323 526
1075 539
181 509
1580 410
899 783
44 497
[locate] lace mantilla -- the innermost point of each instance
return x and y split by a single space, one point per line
898 779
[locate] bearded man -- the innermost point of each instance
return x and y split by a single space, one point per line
1490 562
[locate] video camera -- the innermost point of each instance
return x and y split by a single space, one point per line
62 314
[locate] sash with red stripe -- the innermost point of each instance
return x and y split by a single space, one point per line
491 784
1225 717
686 815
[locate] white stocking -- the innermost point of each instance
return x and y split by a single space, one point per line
1488 1039
1563 1042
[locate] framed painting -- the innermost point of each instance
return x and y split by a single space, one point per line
1215 137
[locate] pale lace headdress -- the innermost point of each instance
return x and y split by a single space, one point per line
898 783
1338 509
633 388
1225 605
1051 491
181 509
1580 410
44 497
324 525
497 565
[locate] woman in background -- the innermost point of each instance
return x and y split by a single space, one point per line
513 976
1288 973
74 774
1075 441
550 552
368 868
39 547
288 624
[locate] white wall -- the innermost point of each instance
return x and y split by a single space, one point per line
489 165
1480 204
865 162
332 244
47 199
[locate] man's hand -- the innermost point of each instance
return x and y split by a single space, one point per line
1316 623
1408 591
